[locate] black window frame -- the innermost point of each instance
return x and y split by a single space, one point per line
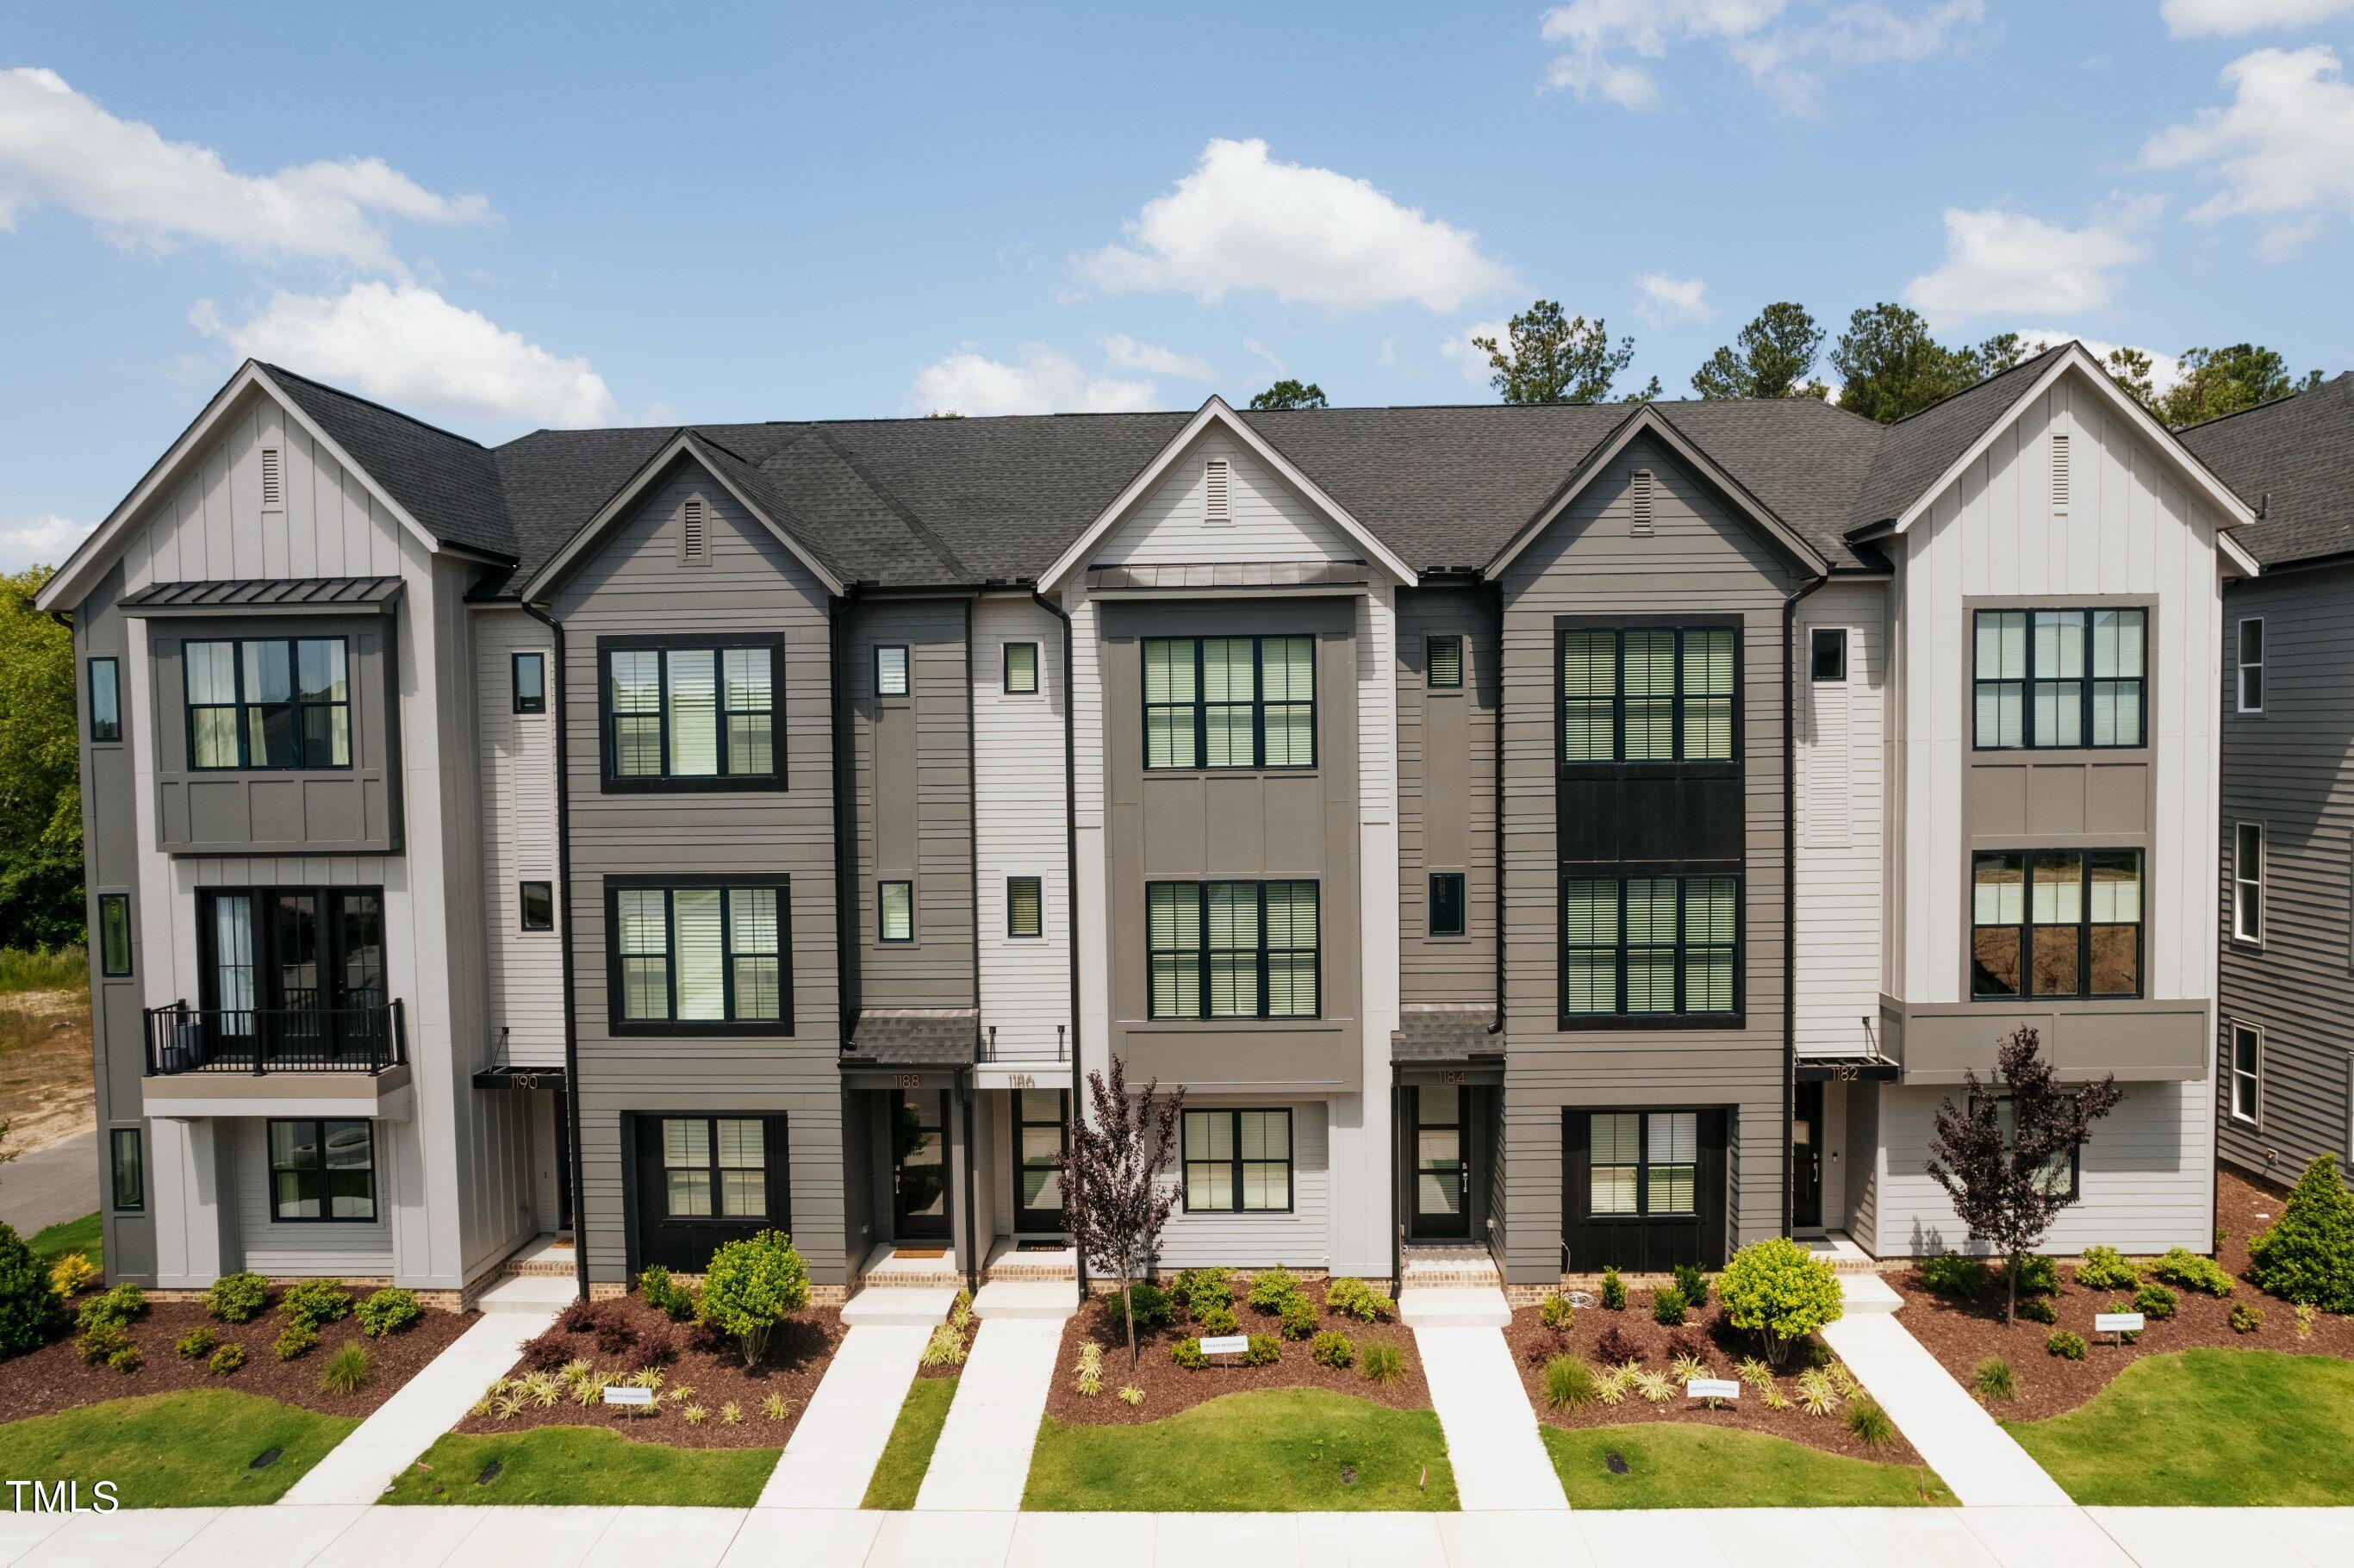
906 670
1037 885
1206 952
1820 637
538 662
243 706
1678 701
612 781
618 1024
1642 1213
108 903
882 916
117 1139
1432 927
1201 705
1430 663
524 921
1010 689
319 1125
1680 1016
2027 680
109 732
2027 926
1235 1162
770 1172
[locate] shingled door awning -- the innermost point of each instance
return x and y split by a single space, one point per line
914 1037
265 595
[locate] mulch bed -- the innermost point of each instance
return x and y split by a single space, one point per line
1170 1388
55 1378
1962 1334
709 1365
1717 1343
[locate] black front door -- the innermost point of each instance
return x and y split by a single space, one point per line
1807 1159
919 1176
293 974
1441 1207
705 1180
1041 1134
1644 1189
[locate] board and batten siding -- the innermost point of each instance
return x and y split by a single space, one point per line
1300 1239
526 969
1841 819
1698 562
635 585
1025 982
2288 768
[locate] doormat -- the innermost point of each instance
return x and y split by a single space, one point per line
920 1252
1041 1246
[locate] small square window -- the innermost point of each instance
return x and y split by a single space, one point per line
115 934
1830 653
531 682
1020 668
1024 907
895 911
891 670
106 700
1447 903
1444 663
538 904
130 1170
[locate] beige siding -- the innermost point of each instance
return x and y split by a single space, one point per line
1269 522
1025 983
309 1248
1842 810
517 759
1300 1239
1446 798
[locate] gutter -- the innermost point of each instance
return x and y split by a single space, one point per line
563 920
1070 863
1790 888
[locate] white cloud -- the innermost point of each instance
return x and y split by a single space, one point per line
1273 361
1786 49
407 346
2165 369
1666 299
1472 362
44 541
2000 262
2236 18
1127 354
1241 220
58 148
1044 382
2279 153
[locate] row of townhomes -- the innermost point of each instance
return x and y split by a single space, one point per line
1534 838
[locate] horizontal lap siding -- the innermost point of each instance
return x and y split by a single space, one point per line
333 1248
1842 812
518 789
1025 991
1301 1239
1447 796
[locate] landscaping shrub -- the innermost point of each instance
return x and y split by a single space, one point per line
1187 1353
665 1295
1692 1285
1951 1274
1089 1381
1818 1395
547 1352
315 1302
2068 1347
1202 1289
1359 1300
196 1344
1130 1396
1299 1317
656 1347
1331 1350
1869 1425
1995 1380
1264 1350
1270 1289
1383 1363
2125 1337
127 1360
2104 1268
1617 1347
117 1306
345 1370
1215 1320
386 1312
1149 1303
226 1360
579 1314
946 1347
100 1342
72 1274
1668 1308
2037 1276
2305 1319
2038 1309
2246 1318
1569 1384
751 1286
238 1298
31 1313
1778 1288
1614 1290
2180 1266
2308 1256
297 1340
2155 1302
1557 1313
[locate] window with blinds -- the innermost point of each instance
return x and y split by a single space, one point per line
1229 702
1024 907
1647 694
689 713
1649 945
1238 1160
715 1167
1642 1163
1443 663
1020 668
1232 950
2059 678
2056 923
698 955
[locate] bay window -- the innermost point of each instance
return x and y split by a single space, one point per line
268 703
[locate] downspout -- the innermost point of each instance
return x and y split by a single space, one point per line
563 920
1790 888
972 858
1497 793
1070 865
971 1264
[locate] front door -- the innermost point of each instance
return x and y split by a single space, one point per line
1807 1159
1441 1209
292 974
1041 1135
920 1178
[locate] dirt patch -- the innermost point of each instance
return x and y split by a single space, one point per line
1719 1346
709 1366
1170 1388
47 1092
55 1377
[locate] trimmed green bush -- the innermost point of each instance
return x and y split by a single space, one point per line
226 1360
2246 1318
1359 1300
1299 1317
297 1340
665 1295
2068 1347
101 1342
315 1302
1187 1353
2308 1256
2038 1309
2192 1271
1264 1350
1202 1289
386 1312
1668 1308
196 1344
1215 1320
1557 1313
31 1312
2037 1276
1570 1382
1995 1380
238 1298
1614 1290
751 1286
1779 1289
1330 1350
127 1360
1951 1274
2105 1268
1869 1423
1692 1285
1146 1302
118 1307
1270 1289
2155 1302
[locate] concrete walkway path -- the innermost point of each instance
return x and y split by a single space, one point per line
831 1457
360 1467
1500 1461
983 1457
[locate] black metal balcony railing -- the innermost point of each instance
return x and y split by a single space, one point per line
988 1049
182 1039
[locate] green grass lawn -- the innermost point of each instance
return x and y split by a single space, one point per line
2207 1428
900 1473
84 1236
1273 1450
193 1448
557 1465
1670 1465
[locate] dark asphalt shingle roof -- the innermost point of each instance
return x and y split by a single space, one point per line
914 1036
2295 457
1916 450
449 485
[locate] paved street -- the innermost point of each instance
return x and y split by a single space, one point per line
60 1183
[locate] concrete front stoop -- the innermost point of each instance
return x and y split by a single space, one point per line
1454 1307
1053 1298
901 1306
543 1293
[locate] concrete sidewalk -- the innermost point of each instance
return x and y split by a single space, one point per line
831 1457
983 1457
1955 1434
1500 1461
50 1185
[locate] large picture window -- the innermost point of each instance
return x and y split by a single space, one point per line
2056 923
1647 694
714 1168
1229 702
322 1170
689 958
2059 678
1237 1161
693 714
1650 947
275 702
1232 950
1642 1163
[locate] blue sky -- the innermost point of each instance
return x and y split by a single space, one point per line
499 220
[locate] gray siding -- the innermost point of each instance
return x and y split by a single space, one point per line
1446 795
634 586
1697 561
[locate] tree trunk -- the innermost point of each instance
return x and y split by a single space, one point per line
2011 1308
1128 1315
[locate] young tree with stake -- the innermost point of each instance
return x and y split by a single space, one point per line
1113 1200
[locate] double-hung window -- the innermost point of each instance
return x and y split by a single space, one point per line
693 714
322 1170
2251 665
2247 1072
1647 694
1232 950
268 703
1229 702
1649 945
695 958
2248 882
2060 679
714 1168
1237 1161
1642 1163
2056 923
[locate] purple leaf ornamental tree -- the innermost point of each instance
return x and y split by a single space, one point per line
2010 1189
1113 1200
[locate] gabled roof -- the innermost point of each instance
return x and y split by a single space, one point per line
2294 457
1919 448
447 483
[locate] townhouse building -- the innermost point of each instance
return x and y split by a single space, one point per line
1533 838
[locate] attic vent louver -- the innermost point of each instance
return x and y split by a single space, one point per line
1640 494
1213 492
274 483
2059 476
694 543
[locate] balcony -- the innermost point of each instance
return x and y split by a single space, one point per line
282 1062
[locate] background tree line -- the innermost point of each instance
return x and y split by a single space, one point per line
40 774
